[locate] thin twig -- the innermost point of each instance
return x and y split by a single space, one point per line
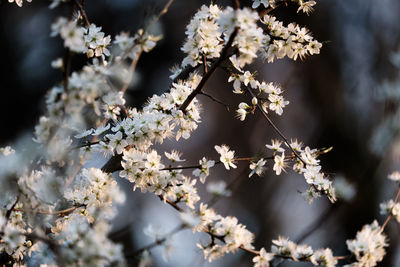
159 241
131 71
67 68
58 212
83 13
215 100
317 223
172 204
275 128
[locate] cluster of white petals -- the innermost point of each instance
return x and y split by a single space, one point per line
395 176
55 208
269 95
227 234
18 2
283 247
306 162
292 41
369 245
146 171
391 208
226 156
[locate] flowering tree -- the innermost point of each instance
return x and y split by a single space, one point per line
57 206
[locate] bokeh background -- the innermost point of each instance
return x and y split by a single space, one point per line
345 98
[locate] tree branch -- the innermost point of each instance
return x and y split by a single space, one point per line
207 75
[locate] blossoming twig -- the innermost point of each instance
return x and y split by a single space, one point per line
210 72
58 212
275 127
390 214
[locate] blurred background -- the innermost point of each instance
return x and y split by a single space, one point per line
346 97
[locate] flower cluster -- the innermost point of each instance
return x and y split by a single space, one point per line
131 47
147 173
91 40
369 245
227 235
268 94
395 176
96 191
78 213
95 42
305 163
292 41
14 231
203 36
283 247
86 243
304 6
57 209
390 208
18 2
157 121
71 33
250 38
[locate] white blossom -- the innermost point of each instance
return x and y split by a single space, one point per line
226 156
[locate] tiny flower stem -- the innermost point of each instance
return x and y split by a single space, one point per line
171 203
159 241
390 215
83 13
165 9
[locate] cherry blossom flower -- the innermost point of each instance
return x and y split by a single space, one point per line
226 156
